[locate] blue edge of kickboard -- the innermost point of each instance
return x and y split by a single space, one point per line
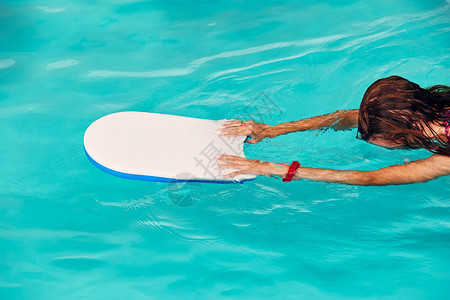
153 178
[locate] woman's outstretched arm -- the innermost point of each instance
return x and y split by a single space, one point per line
339 120
417 171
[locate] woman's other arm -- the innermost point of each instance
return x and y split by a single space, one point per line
416 171
339 120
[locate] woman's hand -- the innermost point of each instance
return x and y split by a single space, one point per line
256 131
250 166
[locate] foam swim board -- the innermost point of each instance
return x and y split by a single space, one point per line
161 147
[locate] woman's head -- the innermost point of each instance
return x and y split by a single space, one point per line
398 113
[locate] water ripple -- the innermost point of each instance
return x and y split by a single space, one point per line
62 64
263 74
199 62
130 205
6 63
51 10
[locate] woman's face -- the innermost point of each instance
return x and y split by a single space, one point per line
385 143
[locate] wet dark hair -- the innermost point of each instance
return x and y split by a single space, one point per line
396 109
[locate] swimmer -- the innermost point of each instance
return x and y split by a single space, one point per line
394 113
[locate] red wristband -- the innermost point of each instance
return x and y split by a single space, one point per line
291 172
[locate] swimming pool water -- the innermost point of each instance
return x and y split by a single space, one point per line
71 231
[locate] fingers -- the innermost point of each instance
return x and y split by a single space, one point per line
233 123
235 127
231 158
243 165
235 131
238 122
232 174
225 158
233 165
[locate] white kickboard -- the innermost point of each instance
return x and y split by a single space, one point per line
160 147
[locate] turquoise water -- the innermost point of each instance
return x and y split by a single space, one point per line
71 231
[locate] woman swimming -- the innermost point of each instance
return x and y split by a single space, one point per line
394 113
